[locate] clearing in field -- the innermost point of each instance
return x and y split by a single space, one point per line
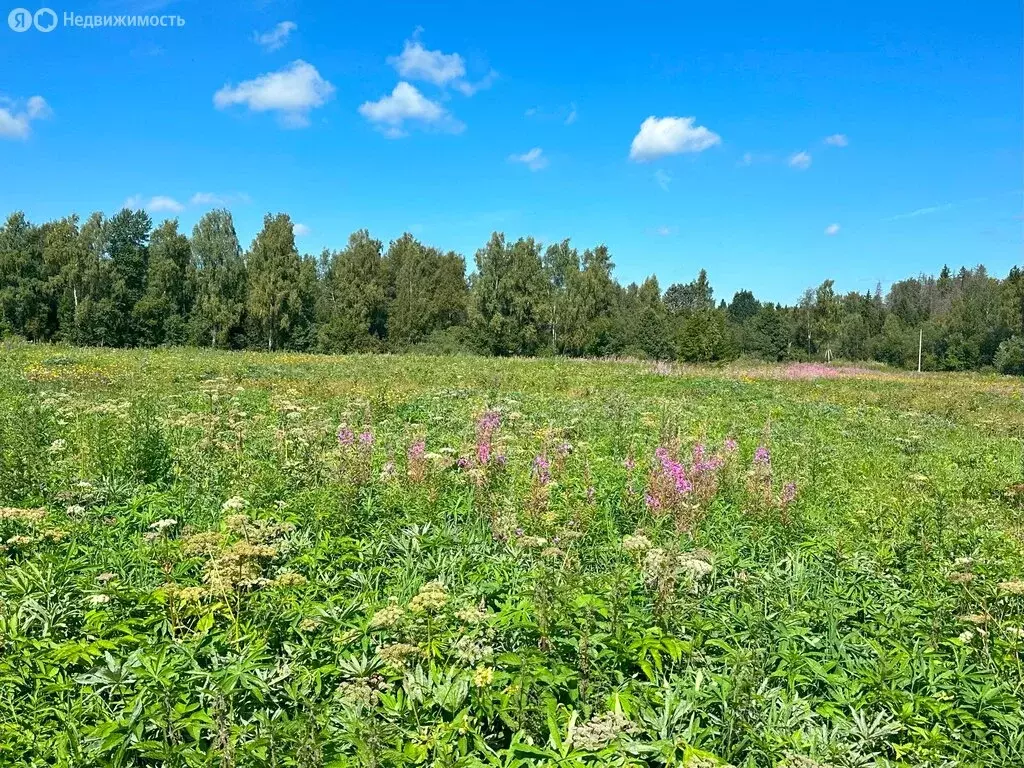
276 560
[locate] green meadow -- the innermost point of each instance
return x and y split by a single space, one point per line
248 559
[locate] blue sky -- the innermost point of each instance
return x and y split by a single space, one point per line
896 127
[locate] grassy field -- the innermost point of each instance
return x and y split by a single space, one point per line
233 559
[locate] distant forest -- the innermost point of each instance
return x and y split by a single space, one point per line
119 282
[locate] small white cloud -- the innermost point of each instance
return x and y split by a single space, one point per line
832 229
664 231
664 178
923 211
467 88
406 103
837 140
212 199
37 108
16 120
531 112
164 204
292 92
661 136
275 38
534 159
300 230
571 117
155 204
417 63
801 160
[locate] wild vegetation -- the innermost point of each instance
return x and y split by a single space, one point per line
249 559
117 282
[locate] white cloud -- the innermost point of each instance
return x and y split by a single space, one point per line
275 38
212 199
16 120
754 158
571 117
417 63
292 92
837 140
406 103
923 211
664 231
467 88
661 136
832 229
664 178
801 160
155 204
37 108
164 204
300 230
534 159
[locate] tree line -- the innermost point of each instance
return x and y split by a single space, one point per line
119 281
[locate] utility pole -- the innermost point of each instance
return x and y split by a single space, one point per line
920 340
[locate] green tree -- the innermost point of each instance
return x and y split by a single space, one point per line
692 297
354 300
218 278
127 240
769 335
509 292
705 336
1010 356
274 303
161 314
23 296
562 268
426 289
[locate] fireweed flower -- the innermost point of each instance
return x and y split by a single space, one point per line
788 493
542 469
730 445
762 457
366 439
416 456
346 436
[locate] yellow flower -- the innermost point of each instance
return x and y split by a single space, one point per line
483 676
431 598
